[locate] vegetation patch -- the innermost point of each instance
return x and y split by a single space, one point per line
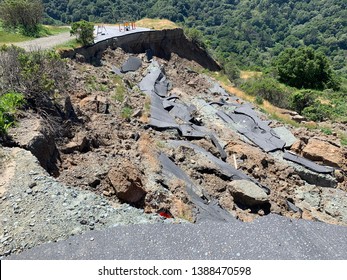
23 15
126 112
84 32
268 88
156 23
37 74
9 103
120 90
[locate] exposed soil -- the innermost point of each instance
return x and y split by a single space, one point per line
107 151
113 138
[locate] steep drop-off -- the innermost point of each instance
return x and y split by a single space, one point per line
162 43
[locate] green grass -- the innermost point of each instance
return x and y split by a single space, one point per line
93 85
343 139
120 91
326 130
9 36
71 44
126 112
55 30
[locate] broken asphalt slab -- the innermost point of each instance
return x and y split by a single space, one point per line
131 65
247 122
308 163
222 166
207 208
271 237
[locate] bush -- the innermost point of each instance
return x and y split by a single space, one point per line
84 32
126 112
317 112
195 36
36 74
299 100
23 14
306 68
232 71
267 88
9 102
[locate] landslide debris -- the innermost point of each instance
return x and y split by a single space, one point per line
108 167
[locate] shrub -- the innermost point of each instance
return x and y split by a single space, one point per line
23 14
232 71
267 88
299 100
126 112
317 112
84 32
195 36
306 68
36 74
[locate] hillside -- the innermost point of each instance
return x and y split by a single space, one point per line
250 32
148 137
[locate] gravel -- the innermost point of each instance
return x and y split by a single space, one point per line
36 209
45 42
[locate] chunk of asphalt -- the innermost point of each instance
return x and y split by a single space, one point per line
221 151
188 131
286 135
247 122
116 71
223 167
208 208
292 207
181 112
148 82
131 65
308 163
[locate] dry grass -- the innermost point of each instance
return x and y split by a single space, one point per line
156 24
273 111
146 110
250 74
182 210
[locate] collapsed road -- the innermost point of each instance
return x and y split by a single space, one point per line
153 135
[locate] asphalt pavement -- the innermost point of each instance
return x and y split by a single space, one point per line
269 238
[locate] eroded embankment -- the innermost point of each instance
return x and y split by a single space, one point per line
158 139
161 43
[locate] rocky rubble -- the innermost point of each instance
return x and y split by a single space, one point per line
35 208
108 160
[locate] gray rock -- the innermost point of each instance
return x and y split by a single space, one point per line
248 193
285 135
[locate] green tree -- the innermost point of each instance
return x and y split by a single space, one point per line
23 14
305 68
195 36
84 32
231 70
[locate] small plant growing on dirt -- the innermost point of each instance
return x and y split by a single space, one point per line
326 130
343 139
259 100
120 91
9 103
119 94
126 112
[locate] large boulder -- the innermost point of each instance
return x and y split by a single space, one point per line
319 150
248 193
127 182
